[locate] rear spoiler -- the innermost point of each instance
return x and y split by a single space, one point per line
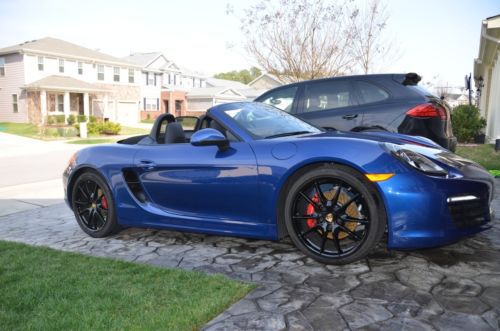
410 78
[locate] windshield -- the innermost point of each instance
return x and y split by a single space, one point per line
265 122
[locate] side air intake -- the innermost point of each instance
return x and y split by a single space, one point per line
134 185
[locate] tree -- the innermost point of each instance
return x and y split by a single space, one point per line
368 44
466 122
244 76
308 39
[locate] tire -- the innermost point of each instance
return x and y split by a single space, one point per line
340 225
93 205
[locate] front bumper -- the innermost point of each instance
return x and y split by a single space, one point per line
426 211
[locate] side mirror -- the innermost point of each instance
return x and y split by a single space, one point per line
210 137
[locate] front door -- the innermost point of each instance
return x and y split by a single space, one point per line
201 181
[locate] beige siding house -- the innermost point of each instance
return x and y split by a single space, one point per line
487 76
54 77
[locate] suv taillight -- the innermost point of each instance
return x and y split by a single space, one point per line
428 110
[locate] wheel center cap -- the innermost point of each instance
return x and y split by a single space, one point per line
94 206
329 218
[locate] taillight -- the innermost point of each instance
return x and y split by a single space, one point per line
428 110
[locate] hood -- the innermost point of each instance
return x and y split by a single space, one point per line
378 136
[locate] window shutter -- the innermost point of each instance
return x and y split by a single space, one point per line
144 106
155 79
147 78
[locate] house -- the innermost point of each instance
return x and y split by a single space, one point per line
487 76
201 99
163 84
266 81
249 92
50 76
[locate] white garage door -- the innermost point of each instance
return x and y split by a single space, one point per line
127 112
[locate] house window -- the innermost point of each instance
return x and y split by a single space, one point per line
178 105
151 104
100 72
15 108
130 75
151 79
40 63
194 80
61 65
80 68
2 66
116 74
60 103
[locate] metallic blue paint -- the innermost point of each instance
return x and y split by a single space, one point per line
236 191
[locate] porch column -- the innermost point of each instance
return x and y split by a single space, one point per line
66 105
86 109
43 105
105 111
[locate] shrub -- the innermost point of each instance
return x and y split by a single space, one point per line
82 118
60 119
103 128
71 119
466 122
51 120
110 128
92 119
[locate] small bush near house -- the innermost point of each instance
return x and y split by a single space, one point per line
467 122
103 128
92 119
51 120
60 119
82 118
71 119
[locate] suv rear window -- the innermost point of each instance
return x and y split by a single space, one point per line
370 93
421 90
282 98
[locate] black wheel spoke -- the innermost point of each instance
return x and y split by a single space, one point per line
335 197
351 234
84 203
99 216
311 230
314 204
323 241
88 205
347 218
348 203
305 217
336 240
83 193
321 196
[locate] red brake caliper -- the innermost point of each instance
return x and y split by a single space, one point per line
311 222
104 202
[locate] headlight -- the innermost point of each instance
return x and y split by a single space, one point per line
415 160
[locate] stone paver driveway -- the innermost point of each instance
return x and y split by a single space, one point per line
450 288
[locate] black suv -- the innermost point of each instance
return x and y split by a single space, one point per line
392 102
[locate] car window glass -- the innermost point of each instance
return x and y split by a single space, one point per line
282 99
370 93
188 122
328 95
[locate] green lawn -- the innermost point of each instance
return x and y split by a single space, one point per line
91 141
150 121
44 289
485 155
21 129
129 131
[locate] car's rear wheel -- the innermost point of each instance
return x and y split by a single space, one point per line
93 205
331 214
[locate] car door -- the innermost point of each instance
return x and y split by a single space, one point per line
201 180
330 103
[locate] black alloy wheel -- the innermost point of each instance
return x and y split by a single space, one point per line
332 216
93 205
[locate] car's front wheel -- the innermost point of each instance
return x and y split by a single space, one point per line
331 214
93 205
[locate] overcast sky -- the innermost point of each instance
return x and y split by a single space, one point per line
435 38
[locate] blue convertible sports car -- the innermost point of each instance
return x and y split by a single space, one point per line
251 170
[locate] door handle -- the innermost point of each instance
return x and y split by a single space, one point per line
350 117
146 164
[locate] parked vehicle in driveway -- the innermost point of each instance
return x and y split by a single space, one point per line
392 102
250 170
